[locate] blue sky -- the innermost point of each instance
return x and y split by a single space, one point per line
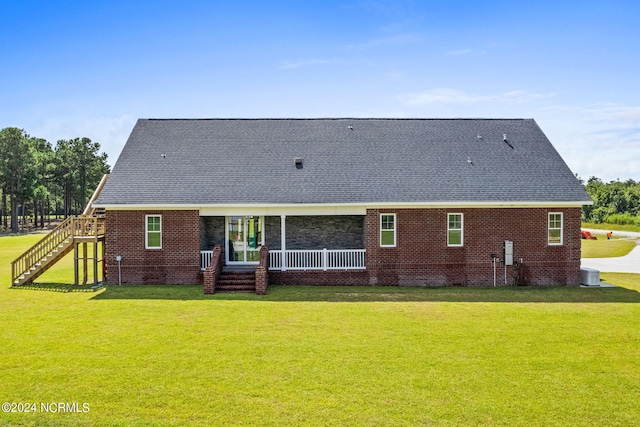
91 68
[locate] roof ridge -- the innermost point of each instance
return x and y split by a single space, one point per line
337 118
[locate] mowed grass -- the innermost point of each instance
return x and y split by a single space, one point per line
603 248
371 356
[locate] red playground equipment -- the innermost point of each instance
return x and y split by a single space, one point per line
587 235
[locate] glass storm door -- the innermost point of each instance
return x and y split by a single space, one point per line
244 239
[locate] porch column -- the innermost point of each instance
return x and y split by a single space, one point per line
283 241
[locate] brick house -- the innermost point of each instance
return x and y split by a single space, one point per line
416 202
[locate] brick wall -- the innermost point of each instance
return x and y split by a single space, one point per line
319 278
178 262
422 257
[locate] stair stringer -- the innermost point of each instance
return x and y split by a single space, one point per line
45 263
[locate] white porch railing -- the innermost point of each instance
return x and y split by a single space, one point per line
321 259
205 259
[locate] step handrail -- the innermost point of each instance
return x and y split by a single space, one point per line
35 253
88 210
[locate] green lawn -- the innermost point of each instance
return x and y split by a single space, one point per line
603 248
372 356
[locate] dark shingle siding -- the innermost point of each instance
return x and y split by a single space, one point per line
379 161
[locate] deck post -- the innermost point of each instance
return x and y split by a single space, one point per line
76 275
95 262
85 263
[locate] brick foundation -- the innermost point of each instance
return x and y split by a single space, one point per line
321 278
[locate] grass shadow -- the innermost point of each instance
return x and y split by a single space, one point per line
58 287
279 293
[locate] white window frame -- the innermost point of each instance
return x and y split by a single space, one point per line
461 229
244 231
147 231
395 230
561 228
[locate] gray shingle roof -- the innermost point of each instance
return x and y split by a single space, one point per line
251 161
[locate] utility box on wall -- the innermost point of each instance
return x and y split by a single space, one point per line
508 252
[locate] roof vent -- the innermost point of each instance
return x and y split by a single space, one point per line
504 139
350 127
298 162
479 137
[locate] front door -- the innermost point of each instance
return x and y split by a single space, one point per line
245 236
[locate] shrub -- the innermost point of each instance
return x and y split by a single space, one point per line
622 219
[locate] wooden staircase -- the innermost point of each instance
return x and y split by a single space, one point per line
231 281
89 227
55 245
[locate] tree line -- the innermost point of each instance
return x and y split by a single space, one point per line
38 180
615 202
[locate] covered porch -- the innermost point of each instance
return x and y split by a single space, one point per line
295 242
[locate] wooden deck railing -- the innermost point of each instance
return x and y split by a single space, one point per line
88 226
81 226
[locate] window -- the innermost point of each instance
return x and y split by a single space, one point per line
388 230
153 234
555 228
454 229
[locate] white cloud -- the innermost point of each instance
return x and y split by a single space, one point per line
599 155
396 75
387 41
600 140
456 96
289 65
442 96
462 52
523 96
624 115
